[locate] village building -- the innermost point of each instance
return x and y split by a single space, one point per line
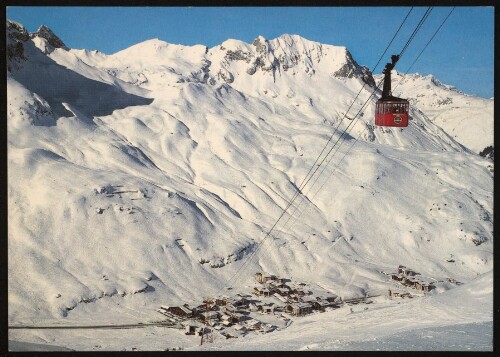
226 320
320 305
238 301
397 277
190 329
394 293
209 315
232 333
253 324
267 328
299 292
283 291
181 311
239 327
221 301
405 271
200 308
423 285
398 293
236 316
327 297
299 309
253 307
308 299
267 308
280 297
262 291
292 298
263 277
281 280
408 281
228 307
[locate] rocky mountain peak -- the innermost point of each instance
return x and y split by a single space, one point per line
261 45
16 31
351 68
16 35
47 34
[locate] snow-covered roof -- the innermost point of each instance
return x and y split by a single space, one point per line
303 305
185 309
238 327
209 314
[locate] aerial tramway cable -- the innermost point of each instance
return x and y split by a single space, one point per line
315 166
426 45
356 140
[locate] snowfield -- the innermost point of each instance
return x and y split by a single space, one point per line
153 175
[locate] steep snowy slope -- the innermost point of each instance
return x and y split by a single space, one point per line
159 192
468 119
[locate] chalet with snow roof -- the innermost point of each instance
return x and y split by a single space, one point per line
236 316
221 301
397 277
209 315
283 291
283 280
280 297
406 272
327 297
320 305
253 324
239 327
226 320
267 308
181 311
299 309
259 291
263 277
300 292
423 285
308 299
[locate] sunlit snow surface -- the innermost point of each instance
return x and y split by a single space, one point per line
127 170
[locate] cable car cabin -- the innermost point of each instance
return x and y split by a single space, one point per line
392 111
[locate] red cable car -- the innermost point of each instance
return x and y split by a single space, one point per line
390 110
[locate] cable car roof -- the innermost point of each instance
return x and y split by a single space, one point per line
391 98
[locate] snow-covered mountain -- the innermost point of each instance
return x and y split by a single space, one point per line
149 176
468 119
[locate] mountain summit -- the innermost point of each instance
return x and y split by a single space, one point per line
45 33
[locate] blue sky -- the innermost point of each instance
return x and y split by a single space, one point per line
461 54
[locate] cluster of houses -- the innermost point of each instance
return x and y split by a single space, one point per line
231 315
412 279
298 300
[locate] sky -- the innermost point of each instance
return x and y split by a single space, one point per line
461 53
